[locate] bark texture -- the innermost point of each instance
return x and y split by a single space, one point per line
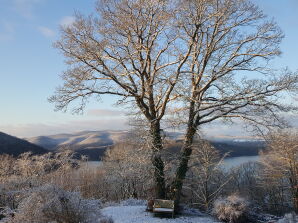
157 161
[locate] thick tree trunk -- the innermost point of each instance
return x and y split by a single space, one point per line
295 199
185 153
183 165
157 161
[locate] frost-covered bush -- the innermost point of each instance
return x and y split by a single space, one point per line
9 198
52 204
6 212
289 218
232 209
28 165
130 170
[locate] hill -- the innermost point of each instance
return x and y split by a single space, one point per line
14 146
79 140
94 143
90 143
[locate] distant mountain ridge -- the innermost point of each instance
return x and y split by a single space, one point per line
90 143
94 143
79 140
15 146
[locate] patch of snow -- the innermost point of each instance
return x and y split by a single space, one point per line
128 202
133 202
138 214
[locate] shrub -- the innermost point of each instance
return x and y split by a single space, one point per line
289 218
232 209
9 198
52 204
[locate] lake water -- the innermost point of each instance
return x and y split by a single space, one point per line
237 161
228 162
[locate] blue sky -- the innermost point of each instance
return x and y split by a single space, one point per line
30 66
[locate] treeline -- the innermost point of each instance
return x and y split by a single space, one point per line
233 148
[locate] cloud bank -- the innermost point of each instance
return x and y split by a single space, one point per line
37 129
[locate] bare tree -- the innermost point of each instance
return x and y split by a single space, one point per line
227 74
280 162
128 165
195 56
205 168
130 50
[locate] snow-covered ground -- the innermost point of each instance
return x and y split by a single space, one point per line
138 214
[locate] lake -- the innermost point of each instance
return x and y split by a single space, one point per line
237 161
228 162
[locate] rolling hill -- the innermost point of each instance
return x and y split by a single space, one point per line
79 140
14 146
94 143
90 143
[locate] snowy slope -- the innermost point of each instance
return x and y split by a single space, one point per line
137 214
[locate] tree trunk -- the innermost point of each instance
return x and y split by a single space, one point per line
183 165
295 199
157 160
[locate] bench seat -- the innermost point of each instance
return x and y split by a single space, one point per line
163 210
164 206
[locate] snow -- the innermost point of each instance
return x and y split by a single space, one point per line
138 214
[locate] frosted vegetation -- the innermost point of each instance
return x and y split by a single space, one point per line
60 188
51 204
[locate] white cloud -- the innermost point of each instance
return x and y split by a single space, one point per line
47 32
37 129
25 7
67 21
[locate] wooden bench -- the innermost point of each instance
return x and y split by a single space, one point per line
164 206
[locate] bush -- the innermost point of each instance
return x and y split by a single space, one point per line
52 204
289 218
9 198
232 209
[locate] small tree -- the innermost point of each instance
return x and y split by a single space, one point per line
129 170
245 181
204 174
280 161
